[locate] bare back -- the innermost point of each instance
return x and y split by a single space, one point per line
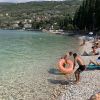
79 60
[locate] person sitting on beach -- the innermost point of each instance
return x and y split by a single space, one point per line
97 62
83 43
62 65
96 45
81 68
94 51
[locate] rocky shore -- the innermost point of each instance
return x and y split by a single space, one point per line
88 85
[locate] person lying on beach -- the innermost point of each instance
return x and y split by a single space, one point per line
62 65
97 62
81 68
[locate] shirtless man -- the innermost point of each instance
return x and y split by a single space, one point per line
82 67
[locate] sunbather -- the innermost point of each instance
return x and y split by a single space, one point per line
97 62
94 51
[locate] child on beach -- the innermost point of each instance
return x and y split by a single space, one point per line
82 67
68 54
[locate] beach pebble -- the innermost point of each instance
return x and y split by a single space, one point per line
88 85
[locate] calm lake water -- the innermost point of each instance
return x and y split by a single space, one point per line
27 63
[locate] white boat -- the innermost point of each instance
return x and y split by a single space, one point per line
57 32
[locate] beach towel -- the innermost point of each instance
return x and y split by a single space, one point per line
93 67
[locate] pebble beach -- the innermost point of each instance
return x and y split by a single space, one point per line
88 85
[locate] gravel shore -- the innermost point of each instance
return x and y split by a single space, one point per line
88 85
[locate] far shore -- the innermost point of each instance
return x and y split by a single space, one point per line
72 33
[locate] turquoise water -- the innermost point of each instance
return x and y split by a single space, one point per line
26 63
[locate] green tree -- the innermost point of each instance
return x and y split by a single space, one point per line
97 14
84 17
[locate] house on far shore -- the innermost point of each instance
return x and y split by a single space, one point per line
24 24
15 25
27 26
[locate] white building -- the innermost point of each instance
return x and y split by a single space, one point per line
27 26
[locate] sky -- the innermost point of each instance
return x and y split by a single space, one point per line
19 1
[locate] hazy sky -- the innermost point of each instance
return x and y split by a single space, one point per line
18 1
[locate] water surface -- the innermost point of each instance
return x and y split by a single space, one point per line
28 62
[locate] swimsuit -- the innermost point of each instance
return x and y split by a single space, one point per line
81 68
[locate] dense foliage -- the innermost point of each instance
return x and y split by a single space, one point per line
87 17
42 14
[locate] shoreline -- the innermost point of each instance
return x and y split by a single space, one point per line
23 84
29 75
60 32
71 33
